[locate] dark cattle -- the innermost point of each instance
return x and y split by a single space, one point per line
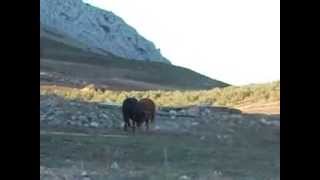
131 109
149 109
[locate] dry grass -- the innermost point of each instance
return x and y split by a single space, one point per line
248 152
250 97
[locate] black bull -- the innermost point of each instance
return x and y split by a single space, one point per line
138 111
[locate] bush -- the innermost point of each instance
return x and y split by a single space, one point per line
230 96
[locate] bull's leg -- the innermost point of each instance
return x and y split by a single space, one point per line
129 124
152 116
147 125
125 126
126 123
133 127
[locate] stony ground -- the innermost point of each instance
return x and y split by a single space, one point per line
81 140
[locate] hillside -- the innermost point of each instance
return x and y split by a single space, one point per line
64 63
81 44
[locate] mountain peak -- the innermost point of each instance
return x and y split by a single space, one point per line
100 30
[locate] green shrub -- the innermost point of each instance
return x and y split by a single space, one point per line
229 96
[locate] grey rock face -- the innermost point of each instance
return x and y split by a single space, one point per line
73 113
100 30
114 165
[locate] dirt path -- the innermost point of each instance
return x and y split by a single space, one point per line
266 108
80 134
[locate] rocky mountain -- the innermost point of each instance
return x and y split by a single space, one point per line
100 31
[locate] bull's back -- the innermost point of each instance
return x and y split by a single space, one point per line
148 104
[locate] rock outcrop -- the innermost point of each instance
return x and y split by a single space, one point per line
102 31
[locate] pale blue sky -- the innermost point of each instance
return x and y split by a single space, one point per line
235 41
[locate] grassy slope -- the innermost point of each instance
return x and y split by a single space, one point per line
168 76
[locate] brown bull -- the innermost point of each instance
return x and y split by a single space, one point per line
149 109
